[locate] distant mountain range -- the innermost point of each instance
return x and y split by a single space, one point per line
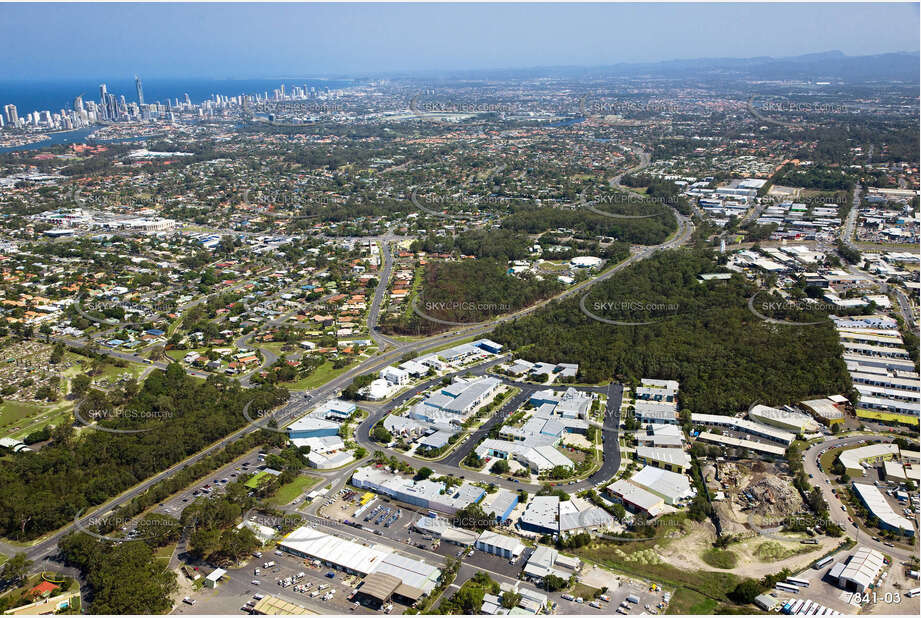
824 66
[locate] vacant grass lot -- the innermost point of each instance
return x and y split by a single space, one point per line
720 558
287 493
695 591
586 592
686 601
321 375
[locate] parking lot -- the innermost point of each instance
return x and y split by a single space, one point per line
649 601
396 526
214 483
288 577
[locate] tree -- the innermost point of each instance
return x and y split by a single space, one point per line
380 434
80 384
423 473
473 517
746 591
500 467
510 600
552 582
15 570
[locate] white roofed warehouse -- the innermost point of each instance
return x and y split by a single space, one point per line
876 504
499 544
860 571
670 486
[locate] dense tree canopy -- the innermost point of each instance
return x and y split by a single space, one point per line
701 334
42 491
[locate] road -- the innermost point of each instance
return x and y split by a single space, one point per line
383 282
835 513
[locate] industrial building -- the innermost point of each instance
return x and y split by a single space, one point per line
427 494
829 409
741 425
455 402
416 577
550 515
335 409
546 560
442 529
672 487
785 419
897 473
860 571
647 412
536 458
502 503
541 515
879 507
768 450
636 499
312 427
499 545
672 459
307 542
661 436
853 458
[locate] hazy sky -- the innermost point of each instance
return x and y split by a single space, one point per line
257 40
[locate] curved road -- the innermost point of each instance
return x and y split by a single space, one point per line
835 513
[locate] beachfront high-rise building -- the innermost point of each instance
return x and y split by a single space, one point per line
12 117
140 89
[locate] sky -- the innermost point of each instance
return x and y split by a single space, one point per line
54 41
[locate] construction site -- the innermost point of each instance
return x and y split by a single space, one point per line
751 494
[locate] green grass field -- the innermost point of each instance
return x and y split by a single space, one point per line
253 482
12 412
586 592
720 558
17 419
320 376
287 493
686 601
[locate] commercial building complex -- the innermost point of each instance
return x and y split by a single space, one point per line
545 561
550 515
635 498
741 425
768 450
672 459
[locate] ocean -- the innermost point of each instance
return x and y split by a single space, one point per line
29 96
